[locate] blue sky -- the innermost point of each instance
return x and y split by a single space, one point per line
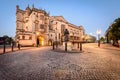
91 14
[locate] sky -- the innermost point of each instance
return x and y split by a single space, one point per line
91 14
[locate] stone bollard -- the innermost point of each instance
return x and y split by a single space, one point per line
66 46
12 46
99 43
19 46
4 47
53 46
80 46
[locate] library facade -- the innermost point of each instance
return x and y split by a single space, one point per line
35 27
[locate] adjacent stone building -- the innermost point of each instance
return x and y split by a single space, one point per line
35 27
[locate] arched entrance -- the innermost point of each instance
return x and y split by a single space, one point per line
62 39
50 41
40 41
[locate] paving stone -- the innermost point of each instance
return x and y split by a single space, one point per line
44 64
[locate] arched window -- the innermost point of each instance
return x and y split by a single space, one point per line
62 28
41 26
23 37
18 37
59 35
27 28
50 27
41 17
30 37
51 35
36 26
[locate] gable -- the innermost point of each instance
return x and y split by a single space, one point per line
60 18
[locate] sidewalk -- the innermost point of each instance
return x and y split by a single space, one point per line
109 46
9 49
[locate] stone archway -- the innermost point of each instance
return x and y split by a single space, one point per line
50 42
62 39
41 40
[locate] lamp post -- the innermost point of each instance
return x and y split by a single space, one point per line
4 45
98 33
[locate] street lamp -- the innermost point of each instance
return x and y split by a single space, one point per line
98 33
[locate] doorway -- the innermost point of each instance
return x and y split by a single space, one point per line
40 41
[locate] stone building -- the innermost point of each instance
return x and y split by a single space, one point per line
35 27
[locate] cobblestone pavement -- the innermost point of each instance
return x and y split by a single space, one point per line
44 64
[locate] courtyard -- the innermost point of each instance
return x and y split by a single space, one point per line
43 63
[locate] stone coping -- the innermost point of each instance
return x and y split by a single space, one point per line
63 51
